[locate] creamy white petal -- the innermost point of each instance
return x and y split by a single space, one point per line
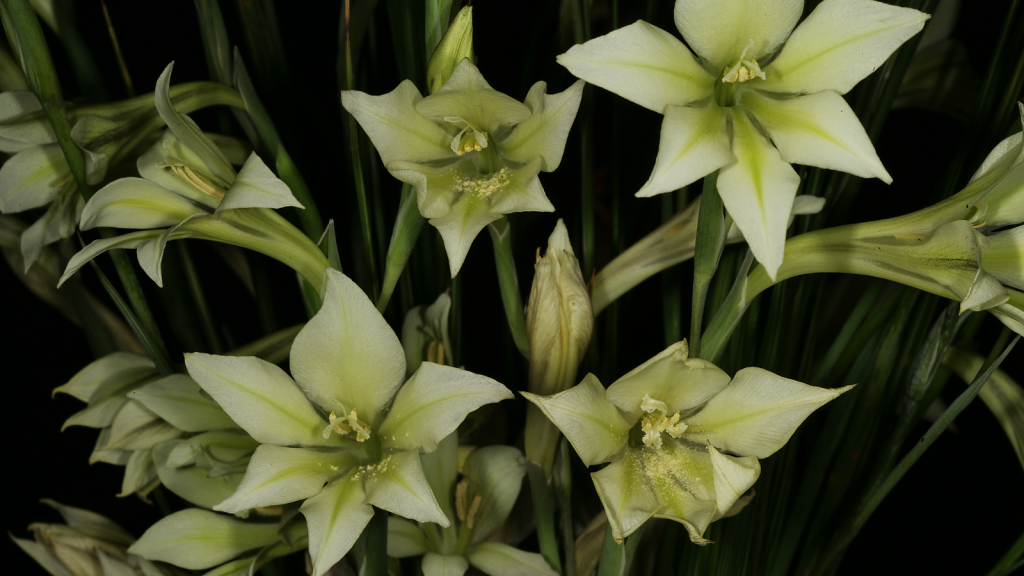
135 203
643 64
626 494
198 539
719 31
336 517
499 559
468 97
397 484
817 130
97 247
257 187
733 476
405 538
694 143
544 133
758 192
32 178
395 128
839 44
434 564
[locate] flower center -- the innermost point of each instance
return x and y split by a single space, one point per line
744 69
345 424
657 421
484 185
469 139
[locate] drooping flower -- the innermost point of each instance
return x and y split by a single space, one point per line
348 431
754 99
472 153
681 440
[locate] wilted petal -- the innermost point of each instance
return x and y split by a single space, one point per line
336 517
839 44
394 126
405 538
817 130
278 475
136 204
626 495
758 192
694 143
198 539
592 424
257 187
544 133
671 377
720 31
733 476
433 403
397 484
260 397
499 559
757 413
467 96
443 565
32 178
643 64
347 357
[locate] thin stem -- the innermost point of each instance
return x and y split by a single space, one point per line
711 232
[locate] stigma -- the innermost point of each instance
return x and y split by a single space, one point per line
346 424
657 421
469 139
744 69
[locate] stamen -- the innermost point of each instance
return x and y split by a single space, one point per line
744 69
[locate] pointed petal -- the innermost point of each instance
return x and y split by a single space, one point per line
468 96
720 31
136 427
198 539
32 178
155 164
347 357
260 397
817 130
336 517
97 247
257 187
433 403
394 126
99 414
107 375
460 227
839 44
178 400
398 485
443 565
151 252
112 566
279 475
43 556
694 143
136 204
643 64
757 413
437 186
94 524
139 474
191 482
758 192
671 377
405 538
441 468
592 424
60 221
495 474
626 494
499 559
17 132
544 133
733 476
188 132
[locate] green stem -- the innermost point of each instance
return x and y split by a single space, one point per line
408 226
711 232
544 512
563 489
508 281
616 558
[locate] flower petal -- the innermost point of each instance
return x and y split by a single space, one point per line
694 143
155 165
500 559
17 132
441 469
405 538
336 517
151 252
198 539
60 221
347 357
758 192
32 178
433 403
720 31
733 476
188 132
136 204
839 44
671 377
192 482
682 479
643 64
278 475
443 565
394 126
757 413
495 475
627 497
108 375
260 397
397 484
467 96
178 400
257 187
592 424
437 186
544 133
817 130
97 247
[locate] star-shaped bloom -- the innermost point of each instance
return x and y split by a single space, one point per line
682 441
472 153
752 98
348 431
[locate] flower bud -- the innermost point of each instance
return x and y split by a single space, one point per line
425 335
456 44
559 322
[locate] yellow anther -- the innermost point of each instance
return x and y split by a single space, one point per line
743 70
460 499
472 510
345 424
657 421
198 182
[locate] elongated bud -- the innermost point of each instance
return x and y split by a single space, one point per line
559 322
456 44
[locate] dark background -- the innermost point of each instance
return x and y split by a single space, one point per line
958 509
